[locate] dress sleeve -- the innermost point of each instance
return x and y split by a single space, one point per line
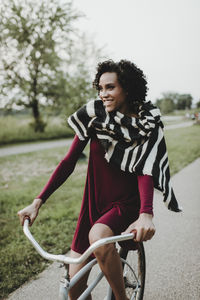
146 188
64 168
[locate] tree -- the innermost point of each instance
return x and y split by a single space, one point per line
166 103
184 101
79 75
171 101
198 104
36 37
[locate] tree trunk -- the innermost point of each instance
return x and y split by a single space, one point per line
35 110
39 124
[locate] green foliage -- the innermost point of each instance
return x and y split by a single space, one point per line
166 105
31 37
39 67
78 89
198 104
171 101
184 101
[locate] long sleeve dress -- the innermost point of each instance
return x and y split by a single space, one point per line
111 196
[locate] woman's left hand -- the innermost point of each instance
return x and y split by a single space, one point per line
143 228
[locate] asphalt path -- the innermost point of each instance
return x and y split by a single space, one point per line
33 146
173 256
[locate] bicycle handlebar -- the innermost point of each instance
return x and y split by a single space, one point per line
69 260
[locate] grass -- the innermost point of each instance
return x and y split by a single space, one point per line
17 129
22 178
183 146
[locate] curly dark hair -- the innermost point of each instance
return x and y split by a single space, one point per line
130 77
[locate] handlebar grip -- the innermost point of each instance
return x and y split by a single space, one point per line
27 220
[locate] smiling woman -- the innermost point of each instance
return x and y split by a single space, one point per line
127 159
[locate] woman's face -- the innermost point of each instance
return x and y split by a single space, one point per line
111 93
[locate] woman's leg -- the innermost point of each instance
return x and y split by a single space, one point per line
81 285
109 260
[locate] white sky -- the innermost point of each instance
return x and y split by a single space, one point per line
161 36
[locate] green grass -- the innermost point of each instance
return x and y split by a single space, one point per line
183 146
17 129
22 178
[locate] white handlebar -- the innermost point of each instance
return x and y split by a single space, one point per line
69 260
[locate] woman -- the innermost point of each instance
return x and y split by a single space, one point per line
123 168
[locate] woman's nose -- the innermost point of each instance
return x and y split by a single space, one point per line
104 93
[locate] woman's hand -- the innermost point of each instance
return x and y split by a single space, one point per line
30 212
143 228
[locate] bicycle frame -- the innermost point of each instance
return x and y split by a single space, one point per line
66 285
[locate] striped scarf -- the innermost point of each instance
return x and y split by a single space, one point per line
135 145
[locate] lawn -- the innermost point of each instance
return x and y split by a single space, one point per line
183 146
17 129
22 178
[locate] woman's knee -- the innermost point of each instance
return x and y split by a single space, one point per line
97 232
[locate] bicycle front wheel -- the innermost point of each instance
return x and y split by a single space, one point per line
134 269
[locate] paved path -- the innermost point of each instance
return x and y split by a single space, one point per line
179 125
173 256
31 147
173 268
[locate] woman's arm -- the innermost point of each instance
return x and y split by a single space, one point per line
146 187
64 169
61 173
143 226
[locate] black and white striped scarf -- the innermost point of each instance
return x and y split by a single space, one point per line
135 145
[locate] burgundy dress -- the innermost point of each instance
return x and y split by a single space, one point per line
112 197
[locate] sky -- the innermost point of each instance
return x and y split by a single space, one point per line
162 37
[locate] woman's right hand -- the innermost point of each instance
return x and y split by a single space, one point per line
30 212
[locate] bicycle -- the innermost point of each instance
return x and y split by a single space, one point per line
133 262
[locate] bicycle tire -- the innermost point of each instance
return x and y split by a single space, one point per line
134 270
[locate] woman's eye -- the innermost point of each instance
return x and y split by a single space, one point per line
108 88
